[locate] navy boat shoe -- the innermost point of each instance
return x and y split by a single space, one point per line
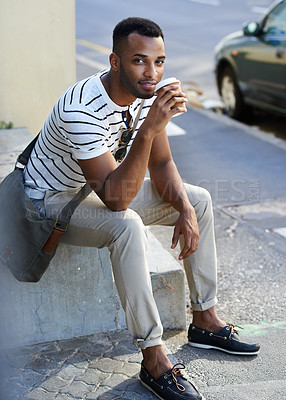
227 340
172 385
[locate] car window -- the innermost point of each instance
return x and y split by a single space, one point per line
275 23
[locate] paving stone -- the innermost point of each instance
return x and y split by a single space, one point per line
107 395
40 394
78 358
129 369
138 396
100 337
119 336
61 396
54 383
42 363
103 392
74 343
127 357
97 350
116 379
59 356
29 378
93 377
77 389
121 350
135 358
106 364
70 372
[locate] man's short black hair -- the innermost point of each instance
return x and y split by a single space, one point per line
142 26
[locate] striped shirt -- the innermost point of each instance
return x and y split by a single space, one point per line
83 124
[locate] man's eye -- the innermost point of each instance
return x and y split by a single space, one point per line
160 62
138 61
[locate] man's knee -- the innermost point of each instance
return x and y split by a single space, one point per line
197 194
201 200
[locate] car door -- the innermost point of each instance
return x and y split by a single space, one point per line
264 62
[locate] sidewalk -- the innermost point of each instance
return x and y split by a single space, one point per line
106 365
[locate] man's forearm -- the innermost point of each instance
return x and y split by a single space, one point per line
123 184
170 186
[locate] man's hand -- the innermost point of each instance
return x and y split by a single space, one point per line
170 101
186 225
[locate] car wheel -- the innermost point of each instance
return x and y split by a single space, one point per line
231 95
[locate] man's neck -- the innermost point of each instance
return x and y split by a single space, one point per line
114 90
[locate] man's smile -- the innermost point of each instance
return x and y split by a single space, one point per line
148 85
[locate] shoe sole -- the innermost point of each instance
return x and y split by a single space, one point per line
209 347
156 394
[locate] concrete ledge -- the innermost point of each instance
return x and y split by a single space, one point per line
77 295
12 142
168 283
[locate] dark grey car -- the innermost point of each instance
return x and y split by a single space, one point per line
250 65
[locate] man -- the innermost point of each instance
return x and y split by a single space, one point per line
85 138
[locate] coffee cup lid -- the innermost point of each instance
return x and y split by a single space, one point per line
165 82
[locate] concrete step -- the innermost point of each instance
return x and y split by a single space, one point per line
77 294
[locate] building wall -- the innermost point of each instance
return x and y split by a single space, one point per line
37 44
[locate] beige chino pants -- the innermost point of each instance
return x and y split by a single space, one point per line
124 233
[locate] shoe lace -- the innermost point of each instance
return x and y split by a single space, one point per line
174 373
232 328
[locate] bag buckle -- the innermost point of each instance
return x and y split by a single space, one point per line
60 225
58 230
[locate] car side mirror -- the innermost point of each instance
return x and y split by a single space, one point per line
251 29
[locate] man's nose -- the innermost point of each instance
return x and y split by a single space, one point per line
150 71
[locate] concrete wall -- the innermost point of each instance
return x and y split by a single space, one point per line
37 42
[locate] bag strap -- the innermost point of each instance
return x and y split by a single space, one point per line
138 114
66 213
68 210
23 158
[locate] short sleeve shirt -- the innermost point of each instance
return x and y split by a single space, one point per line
83 124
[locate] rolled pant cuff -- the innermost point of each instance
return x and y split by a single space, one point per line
143 344
204 306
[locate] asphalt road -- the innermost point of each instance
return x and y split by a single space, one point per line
192 29
229 159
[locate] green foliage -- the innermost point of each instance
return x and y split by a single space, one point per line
5 125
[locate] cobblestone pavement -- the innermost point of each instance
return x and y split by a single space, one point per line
100 366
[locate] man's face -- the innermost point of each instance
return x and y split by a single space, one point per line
142 65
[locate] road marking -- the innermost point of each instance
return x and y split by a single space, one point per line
207 2
262 328
174 130
280 231
259 10
90 63
93 46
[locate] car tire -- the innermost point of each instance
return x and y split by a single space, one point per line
231 95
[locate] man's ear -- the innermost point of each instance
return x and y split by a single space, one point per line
114 61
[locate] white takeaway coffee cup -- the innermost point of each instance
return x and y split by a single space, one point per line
165 82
